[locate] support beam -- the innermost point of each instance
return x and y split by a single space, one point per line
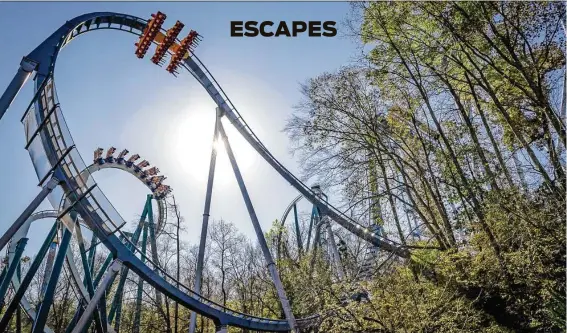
153 245
139 294
100 292
45 190
105 265
41 317
316 244
310 228
100 273
259 233
92 253
76 316
116 308
48 266
221 329
26 68
88 282
96 281
102 308
334 251
319 219
3 273
19 311
297 231
15 304
206 211
12 269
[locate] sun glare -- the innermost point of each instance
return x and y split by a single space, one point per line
193 144
218 144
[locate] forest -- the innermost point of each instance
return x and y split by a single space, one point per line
447 135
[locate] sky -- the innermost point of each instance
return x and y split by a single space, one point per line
109 97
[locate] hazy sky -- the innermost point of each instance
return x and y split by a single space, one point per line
111 98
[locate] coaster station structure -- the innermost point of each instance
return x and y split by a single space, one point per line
80 206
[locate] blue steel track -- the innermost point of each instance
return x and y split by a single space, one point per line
52 147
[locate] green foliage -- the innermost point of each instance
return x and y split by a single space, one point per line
457 106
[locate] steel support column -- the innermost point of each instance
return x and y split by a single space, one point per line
334 251
316 244
76 316
259 233
98 295
80 307
297 231
310 228
88 282
3 273
105 265
26 68
41 317
206 211
19 311
153 245
116 307
12 269
48 266
139 294
92 253
100 273
45 190
27 279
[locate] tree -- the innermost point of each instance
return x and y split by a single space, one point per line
447 95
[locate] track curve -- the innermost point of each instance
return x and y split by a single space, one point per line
282 223
51 148
161 203
69 259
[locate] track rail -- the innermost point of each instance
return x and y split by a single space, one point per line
51 148
161 203
194 65
200 72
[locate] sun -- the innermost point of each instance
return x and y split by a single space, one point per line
193 142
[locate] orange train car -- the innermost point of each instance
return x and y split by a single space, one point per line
182 51
150 32
166 42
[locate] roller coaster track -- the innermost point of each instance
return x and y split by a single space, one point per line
53 152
